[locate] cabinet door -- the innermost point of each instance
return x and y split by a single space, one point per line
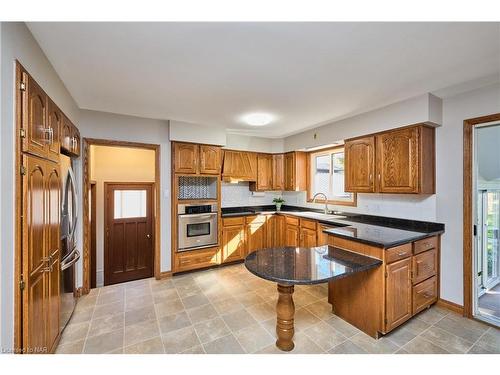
53 245
308 237
264 172
398 293
271 231
35 254
210 159
36 137
233 243
66 135
185 158
75 139
54 123
398 161
289 171
360 165
280 230
291 235
278 172
256 236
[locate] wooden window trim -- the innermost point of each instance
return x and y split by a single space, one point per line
326 151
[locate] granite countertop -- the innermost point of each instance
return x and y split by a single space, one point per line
373 230
292 265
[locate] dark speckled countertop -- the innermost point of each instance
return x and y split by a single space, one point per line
301 265
373 230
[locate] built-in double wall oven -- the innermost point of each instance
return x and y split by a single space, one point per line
197 226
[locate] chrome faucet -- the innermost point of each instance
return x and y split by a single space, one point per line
326 201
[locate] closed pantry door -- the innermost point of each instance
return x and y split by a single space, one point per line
128 252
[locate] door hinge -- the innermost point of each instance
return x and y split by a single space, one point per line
22 283
23 170
22 133
22 86
480 273
474 230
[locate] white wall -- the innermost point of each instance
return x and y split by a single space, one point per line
116 164
18 43
421 109
188 132
259 144
449 184
111 126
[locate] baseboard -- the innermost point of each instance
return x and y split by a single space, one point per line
459 309
165 275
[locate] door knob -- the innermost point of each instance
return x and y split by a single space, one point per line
148 235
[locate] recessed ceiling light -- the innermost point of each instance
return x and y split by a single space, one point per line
257 119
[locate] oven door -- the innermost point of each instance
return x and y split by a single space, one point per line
197 230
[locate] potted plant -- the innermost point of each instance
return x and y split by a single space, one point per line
278 202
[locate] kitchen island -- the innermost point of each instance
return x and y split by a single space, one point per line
289 266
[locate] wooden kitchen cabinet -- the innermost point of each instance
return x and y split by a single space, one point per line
255 233
192 158
233 239
41 247
395 161
70 138
271 231
191 260
295 171
308 233
424 294
55 119
210 159
359 160
239 166
186 158
264 173
278 172
398 302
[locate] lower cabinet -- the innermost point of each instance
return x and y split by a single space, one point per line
398 307
233 240
191 260
424 294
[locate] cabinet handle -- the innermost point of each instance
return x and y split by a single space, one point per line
371 177
401 254
428 295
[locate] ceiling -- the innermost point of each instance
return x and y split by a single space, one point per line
305 74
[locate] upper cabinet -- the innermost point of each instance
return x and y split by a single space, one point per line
360 165
264 173
295 171
239 165
70 137
396 161
190 158
45 130
278 172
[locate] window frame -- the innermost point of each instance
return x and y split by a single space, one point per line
322 152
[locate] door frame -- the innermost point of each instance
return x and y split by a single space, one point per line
87 142
468 215
107 213
93 233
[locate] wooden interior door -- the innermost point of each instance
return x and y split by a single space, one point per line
34 254
360 165
210 157
128 252
398 307
35 140
53 249
397 161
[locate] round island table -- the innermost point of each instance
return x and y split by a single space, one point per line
289 266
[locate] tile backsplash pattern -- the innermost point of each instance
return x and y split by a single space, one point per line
239 195
193 187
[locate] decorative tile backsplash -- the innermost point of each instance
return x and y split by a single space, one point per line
194 187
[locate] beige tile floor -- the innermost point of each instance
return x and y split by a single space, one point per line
228 310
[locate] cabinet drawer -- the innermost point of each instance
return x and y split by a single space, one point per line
291 220
229 221
424 265
309 224
255 219
425 244
190 260
424 294
397 253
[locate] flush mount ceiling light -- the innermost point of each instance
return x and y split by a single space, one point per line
257 119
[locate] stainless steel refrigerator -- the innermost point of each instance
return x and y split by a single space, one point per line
69 251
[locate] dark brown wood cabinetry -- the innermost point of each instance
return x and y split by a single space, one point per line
41 243
191 158
405 284
395 161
